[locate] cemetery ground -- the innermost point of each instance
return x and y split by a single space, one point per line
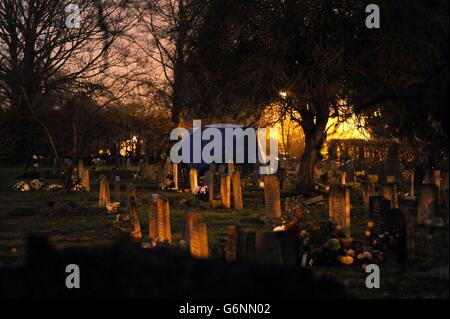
77 221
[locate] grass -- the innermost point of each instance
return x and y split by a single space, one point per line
78 222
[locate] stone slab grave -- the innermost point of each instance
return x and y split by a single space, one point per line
427 203
390 193
225 190
339 208
272 201
237 191
104 198
193 179
136 233
175 175
195 233
159 220
368 189
408 184
379 207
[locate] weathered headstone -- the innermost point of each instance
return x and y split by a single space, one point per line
193 179
231 245
104 198
198 243
428 201
225 190
175 175
339 207
85 180
272 202
237 191
275 248
390 193
379 208
136 233
160 220
368 190
231 168
408 181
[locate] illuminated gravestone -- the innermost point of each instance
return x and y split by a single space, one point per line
193 179
379 208
428 202
160 220
339 208
117 189
373 178
237 191
390 193
275 248
368 190
225 191
104 198
175 175
408 181
85 180
195 234
136 233
272 202
231 245
80 168
231 168
390 179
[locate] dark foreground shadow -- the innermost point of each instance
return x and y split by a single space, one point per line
125 270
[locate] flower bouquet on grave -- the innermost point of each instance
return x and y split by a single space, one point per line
202 193
22 186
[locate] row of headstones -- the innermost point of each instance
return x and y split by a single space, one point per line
222 185
195 233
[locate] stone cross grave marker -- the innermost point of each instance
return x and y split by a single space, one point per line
390 193
272 201
428 202
339 208
136 233
237 191
104 198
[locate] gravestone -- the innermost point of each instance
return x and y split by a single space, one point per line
85 180
193 179
272 202
390 193
336 177
184 179
104 198
225 190
408 181
175 174
368 190
231 168
246 245
136 233
390 179
373 178
379 208
428 202
339 208
231 245
237 191
117 188
275 248
160 220
80 168
198 242
192 216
